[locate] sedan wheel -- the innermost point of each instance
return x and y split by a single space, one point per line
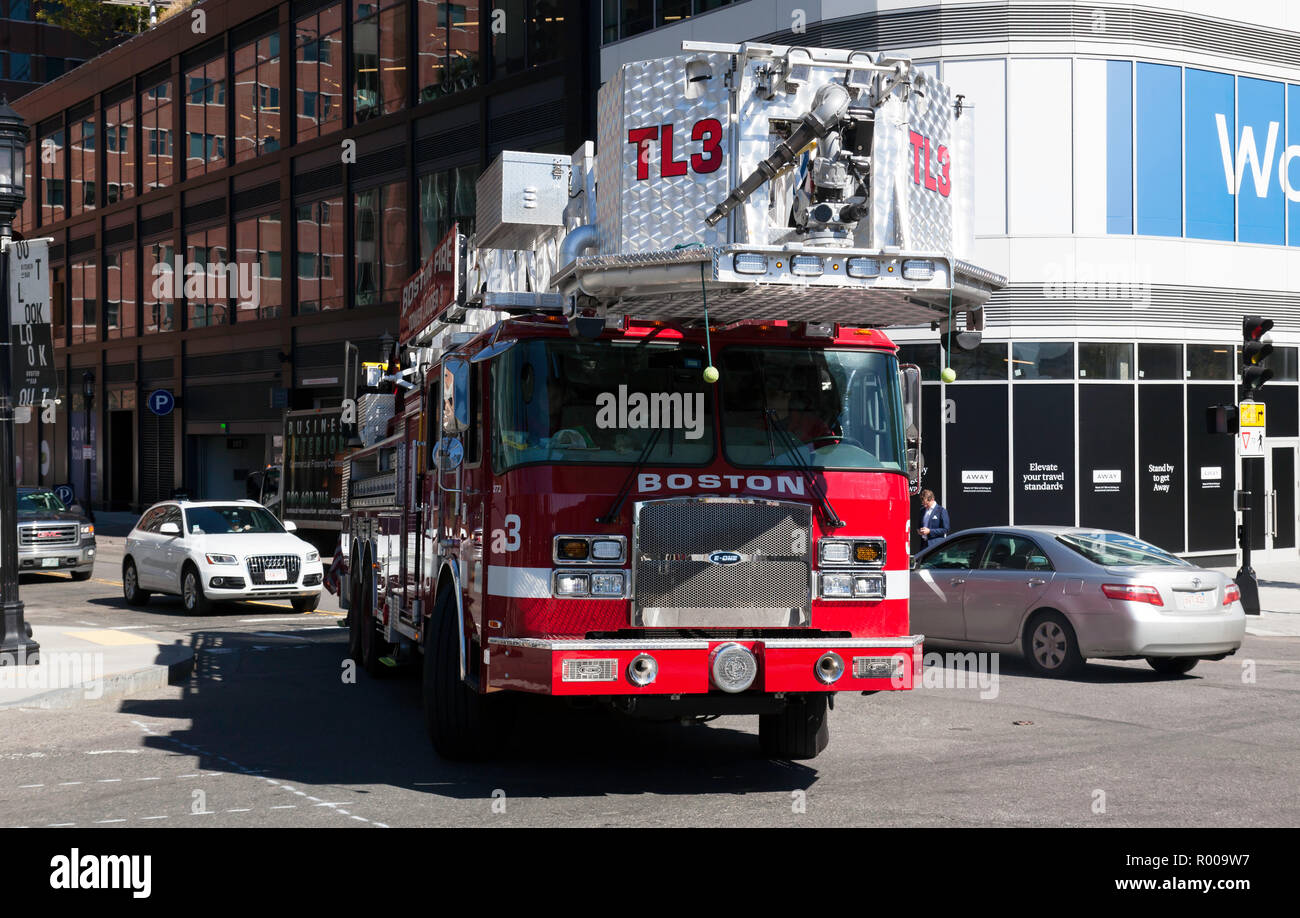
1172 666
1051 647
131 586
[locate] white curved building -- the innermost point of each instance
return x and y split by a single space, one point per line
1138 182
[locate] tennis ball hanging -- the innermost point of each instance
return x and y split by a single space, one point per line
710 374
948 374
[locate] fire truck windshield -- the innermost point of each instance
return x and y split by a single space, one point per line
809 406
599 403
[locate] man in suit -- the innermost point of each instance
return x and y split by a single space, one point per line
934 523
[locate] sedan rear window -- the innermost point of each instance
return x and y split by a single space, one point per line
1114 549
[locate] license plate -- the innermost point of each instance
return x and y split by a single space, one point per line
275 573
1201 599
49 562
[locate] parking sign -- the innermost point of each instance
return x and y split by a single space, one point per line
161 402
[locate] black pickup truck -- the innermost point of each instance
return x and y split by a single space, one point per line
51 537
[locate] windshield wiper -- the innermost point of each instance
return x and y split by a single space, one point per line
611 515
832 518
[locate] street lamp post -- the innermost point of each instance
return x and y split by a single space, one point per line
88 392
16 644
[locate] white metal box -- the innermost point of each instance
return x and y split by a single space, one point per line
520 195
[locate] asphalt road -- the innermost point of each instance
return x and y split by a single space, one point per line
266 732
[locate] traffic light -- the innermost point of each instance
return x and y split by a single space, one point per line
1254 350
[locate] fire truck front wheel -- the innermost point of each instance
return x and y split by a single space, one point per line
801 731
462 723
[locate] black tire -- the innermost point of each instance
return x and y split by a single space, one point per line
1173 666
1050 646
81 576
131 591
370 645
193 598
355 614
801 731
462 723
305 604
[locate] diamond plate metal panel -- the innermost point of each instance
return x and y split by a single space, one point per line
912 151
661 211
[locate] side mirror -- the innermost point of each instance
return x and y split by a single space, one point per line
909 380
170 529
455 395
290 526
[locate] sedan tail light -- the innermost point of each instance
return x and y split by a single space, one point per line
1132 593
1231 594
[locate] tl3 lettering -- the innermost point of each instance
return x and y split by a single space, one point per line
936 179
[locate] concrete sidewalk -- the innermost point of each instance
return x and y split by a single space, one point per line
1279 598
79 666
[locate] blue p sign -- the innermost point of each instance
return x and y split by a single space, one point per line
161 402
64 493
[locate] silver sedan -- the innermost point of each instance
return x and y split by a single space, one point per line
1060 595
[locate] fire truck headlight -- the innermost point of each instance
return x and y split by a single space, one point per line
837 586
918 269
607 584
870 552
643 669
751 263
571 549
869 586
833 552
570 584
732 667
606 550
807 265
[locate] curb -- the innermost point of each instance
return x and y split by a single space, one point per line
114 686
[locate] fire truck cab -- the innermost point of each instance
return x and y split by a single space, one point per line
652 446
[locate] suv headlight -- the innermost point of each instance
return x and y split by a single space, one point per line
87 529
221 559
313 556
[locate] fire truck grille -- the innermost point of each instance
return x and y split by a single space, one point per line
259 564
722 562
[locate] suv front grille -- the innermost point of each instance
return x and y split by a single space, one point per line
258 565
680 582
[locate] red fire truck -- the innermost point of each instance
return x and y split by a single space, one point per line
653 448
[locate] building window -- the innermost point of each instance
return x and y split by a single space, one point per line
624 18
257 97
156 124
20 66
52 163
119 299
319 229
81 165
533 35
160 293
257 248
986 361
85 301
1041 360
1209 361
27 215
119 151
1105 361
21 9
58 304
207 294
205 118
448 47
925 356
445 198
1160 361
379 252
318 60
378 58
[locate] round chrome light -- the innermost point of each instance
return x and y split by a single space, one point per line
829 668
733 667
643 669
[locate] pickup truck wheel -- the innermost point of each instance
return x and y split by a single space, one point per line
462 723
801 731
1173 666
81 576
192 596
131 591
